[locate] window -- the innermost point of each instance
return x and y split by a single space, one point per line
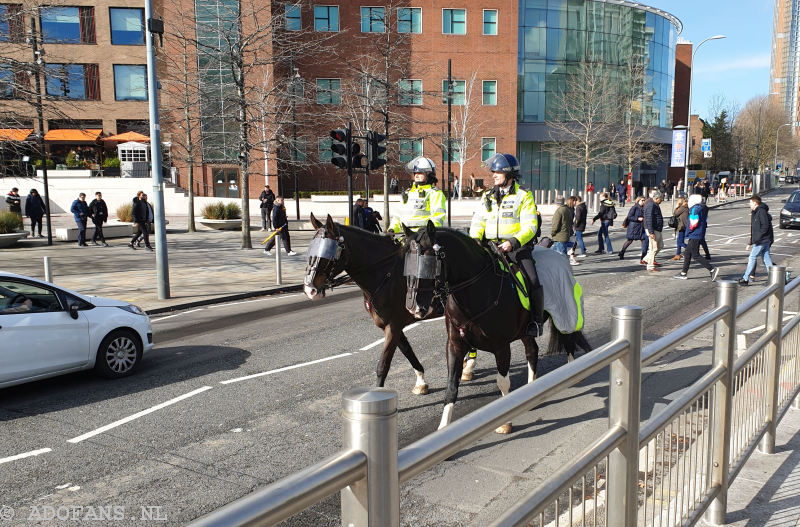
11 23
458 92
324 152
127 26
373 19
454 149
489 93
300 149
329 91
68 25
454 21
410 92
22 297
326 18
73 81
293 18
6 82
490 21
409 20
130 82
488 147
409 149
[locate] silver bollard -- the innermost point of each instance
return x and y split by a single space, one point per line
48 272
370 416
549 201
278 278
777 275
596 203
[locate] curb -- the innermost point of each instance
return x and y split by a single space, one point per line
226 298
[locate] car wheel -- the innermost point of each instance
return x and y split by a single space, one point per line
119 354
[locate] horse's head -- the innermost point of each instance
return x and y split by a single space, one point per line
324 258
424 271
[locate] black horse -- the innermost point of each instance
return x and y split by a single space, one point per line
375 263
483 310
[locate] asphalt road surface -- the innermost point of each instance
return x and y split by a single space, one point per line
236 396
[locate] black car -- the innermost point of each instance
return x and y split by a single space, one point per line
790 180
790 213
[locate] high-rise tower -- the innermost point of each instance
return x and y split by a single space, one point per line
784 75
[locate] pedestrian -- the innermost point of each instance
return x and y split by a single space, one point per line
579 224
99 213
267 202
561 228
393 185
653 225
606 215
590 187
34 209
142 214
80 211
281 224
14 202
695 231
372 218
681 214
761 237
359 218
634 228
622 191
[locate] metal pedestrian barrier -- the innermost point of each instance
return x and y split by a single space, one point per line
671 470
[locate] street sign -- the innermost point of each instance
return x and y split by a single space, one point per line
707 154
705 146
678 148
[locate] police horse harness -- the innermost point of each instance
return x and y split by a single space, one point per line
482 306
375 263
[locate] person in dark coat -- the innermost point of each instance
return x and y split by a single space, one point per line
34 209
80 211
696 223
99 211
280 221
14 201
142 212
372 218
653 225
622 192
267 202
606 215
579 224
359 218
761 237
634 225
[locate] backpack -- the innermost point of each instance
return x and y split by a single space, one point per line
672 222
611 214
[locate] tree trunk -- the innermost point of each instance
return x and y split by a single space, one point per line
244 157
190 183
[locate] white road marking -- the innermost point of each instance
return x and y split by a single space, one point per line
175 315
759 328
249 301
24 455
381 341
286 368
137 415
369 346
437 319
410 326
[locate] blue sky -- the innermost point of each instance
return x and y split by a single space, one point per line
737 66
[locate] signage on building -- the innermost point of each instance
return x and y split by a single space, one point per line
678 148
707 154
705 146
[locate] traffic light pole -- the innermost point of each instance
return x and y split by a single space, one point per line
449 140
349 173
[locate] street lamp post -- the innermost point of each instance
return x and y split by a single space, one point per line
775 160
689 115
294 82
38 66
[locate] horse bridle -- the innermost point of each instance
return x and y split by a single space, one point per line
323 248
425 267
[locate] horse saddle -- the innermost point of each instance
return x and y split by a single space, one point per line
518 280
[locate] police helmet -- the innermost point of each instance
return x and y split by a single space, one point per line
422 165
504 163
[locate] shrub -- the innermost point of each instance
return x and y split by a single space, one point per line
233 211
50 163
111 162
9 222
72 160
220 211
125 212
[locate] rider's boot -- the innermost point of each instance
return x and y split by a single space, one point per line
536 323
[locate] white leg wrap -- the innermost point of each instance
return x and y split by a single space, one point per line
469 366
447 415
420 378
504 383
531 374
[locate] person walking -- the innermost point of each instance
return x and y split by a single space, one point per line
34 210
561 228
634 225
80 211
697 220
372 218
579 224
99 213
267 202
606 215
653 225
681 214
622 191
359 218
761 237
141 216
14 202
280 221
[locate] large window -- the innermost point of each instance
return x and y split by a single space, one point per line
409 20
72 81
373 19
488 147
11 23
410 92
489 93
326 18
293 21
458 92
454 21
409 149
7 87
68 25
324 152
130 82
127 26
490 21
329 91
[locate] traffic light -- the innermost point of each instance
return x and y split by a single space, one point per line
341 140
357 159
375 150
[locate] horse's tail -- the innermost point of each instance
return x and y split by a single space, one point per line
566 342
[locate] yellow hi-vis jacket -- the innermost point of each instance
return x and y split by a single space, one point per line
425 202
513 218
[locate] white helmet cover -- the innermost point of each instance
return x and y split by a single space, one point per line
421 165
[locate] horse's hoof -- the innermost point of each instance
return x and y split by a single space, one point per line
466 376
420 389
505 429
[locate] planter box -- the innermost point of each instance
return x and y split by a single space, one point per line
112 229
221 225
7 240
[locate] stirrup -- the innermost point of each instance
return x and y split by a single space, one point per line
535 329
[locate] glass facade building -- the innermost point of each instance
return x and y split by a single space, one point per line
555 36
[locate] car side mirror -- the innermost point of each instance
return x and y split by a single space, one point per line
73 311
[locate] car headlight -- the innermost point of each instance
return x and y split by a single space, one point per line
785 212
130 308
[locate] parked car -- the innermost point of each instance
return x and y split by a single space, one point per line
790 213
790 180
46 330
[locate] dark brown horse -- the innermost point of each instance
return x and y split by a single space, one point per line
375 263
483 310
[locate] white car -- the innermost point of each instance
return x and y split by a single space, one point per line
46 330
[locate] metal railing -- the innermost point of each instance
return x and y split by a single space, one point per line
670 470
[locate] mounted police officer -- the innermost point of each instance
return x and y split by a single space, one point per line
507 216
423 201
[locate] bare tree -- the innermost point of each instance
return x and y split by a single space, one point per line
634 140
761 139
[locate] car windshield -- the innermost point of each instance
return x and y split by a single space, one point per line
22 297
794 198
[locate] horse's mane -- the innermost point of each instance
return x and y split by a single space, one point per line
363 236
473 248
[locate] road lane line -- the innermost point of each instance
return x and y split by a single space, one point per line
369 346
24 455
137 415
249 301
437 319
175 315
286 368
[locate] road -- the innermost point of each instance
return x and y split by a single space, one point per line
235 396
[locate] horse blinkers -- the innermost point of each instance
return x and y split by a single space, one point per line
322 249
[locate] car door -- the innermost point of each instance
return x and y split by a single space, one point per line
37 335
